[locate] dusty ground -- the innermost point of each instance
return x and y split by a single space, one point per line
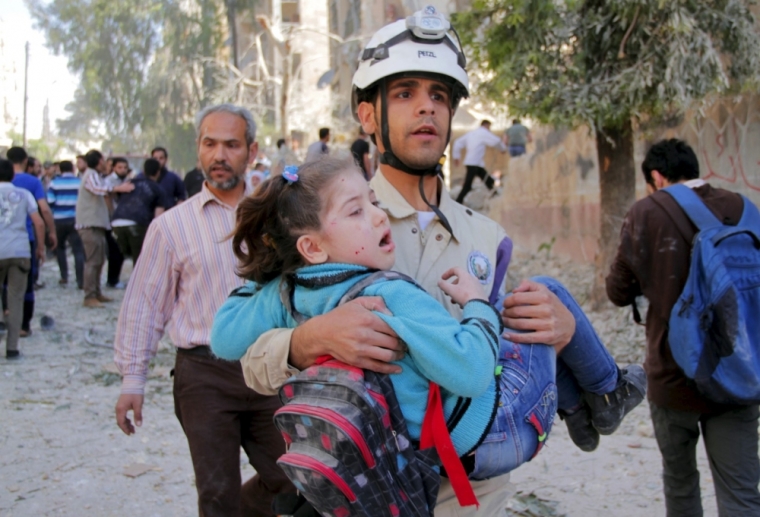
62 454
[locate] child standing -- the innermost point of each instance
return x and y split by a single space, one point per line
316 231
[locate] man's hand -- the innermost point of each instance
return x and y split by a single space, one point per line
464 288
53 239
350 333
126 403
40 253
125 187
533 307
456 162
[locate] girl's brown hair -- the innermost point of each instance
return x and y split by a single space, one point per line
270 221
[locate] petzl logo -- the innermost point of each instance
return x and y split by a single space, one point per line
425 53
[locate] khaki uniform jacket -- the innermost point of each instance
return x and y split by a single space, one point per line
475 245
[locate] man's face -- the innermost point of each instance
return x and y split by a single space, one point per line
121 169
160 157
109 166
222 150
36 168
81 165
419 111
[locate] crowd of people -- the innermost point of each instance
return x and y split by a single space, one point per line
244 263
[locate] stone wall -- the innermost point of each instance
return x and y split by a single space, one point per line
551 194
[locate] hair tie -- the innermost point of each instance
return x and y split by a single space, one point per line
290 173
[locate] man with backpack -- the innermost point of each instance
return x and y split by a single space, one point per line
657 240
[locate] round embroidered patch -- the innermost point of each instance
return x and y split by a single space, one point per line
479 266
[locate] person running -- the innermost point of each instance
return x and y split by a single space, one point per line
318 230
475 142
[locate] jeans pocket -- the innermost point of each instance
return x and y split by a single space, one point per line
541 415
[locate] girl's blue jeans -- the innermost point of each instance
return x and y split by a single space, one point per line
534 383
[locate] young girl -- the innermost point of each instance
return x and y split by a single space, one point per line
318 230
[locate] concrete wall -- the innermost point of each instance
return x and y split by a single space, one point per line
552 192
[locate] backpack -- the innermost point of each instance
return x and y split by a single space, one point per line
348 448
714 332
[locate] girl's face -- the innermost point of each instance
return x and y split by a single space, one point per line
354 229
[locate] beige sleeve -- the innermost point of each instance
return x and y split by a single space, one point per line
265 364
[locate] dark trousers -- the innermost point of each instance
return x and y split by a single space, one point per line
65 231
130 240
115 260
731 442
473 171
31 279
219 414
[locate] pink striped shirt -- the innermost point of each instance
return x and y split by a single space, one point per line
185 272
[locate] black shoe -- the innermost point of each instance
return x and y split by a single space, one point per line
608 410
12 354
580 429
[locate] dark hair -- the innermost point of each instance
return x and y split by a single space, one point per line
16 155
270 221
672 158
280 142
166 155
118 159
66 166
30 163
485 122
516 121
323 132
93 158
151 167
6 170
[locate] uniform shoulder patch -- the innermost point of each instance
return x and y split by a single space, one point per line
480 267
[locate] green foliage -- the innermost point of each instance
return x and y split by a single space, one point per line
601 62
145 67
41 149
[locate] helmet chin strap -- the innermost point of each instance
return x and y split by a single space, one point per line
389 158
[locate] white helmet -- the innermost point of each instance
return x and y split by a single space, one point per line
419 45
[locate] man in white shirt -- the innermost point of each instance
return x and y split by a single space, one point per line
476 142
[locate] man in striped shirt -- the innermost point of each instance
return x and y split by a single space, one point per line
185 272
92 221
62 197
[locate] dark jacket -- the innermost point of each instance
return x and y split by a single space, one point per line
653 259
140 204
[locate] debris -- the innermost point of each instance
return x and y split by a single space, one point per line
14 488
92 338
530 505
137 469
634 445
47 322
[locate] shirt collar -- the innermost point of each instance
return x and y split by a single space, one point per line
206 196
695 183
394 203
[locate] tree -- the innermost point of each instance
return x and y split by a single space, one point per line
604 63
145 67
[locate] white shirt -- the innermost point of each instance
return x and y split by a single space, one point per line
476 142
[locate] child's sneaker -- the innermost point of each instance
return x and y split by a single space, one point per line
580 429
608 410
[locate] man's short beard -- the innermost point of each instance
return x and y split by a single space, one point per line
225 185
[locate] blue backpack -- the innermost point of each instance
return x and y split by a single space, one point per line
714 330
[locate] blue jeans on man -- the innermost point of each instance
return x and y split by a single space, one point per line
534 383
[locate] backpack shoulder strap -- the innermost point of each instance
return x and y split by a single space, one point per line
693 205
378 276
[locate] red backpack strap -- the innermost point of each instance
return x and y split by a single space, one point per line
436 434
